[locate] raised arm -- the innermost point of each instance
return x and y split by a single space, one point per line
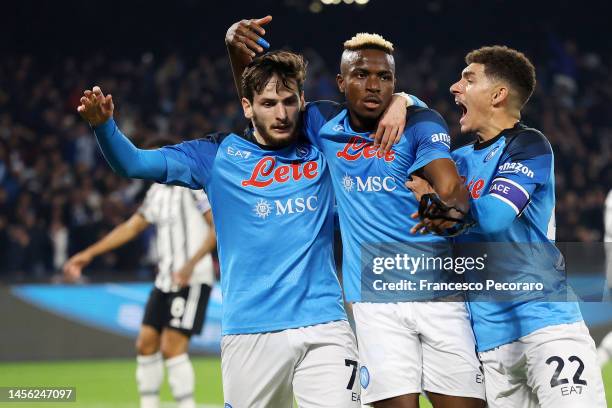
120 153
186 164
243 40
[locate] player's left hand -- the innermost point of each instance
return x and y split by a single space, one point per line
426 225
183 275
419 187
391 124
246 36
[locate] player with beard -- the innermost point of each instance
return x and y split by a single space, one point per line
284 326
536 351
405 346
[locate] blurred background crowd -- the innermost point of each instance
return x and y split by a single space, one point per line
58 195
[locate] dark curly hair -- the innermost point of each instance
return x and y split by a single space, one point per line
286 65
507 64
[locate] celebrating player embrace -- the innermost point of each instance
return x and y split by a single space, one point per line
284 326
422 343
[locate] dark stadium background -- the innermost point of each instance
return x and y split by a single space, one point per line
165 64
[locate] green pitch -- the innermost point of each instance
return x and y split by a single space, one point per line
111 383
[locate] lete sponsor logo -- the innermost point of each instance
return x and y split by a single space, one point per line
358 147
265 172
475 187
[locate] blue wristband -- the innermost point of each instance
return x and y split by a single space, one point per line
263 43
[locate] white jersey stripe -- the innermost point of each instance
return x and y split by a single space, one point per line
191 307
184 233
177 212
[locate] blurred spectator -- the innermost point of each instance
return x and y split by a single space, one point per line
57 195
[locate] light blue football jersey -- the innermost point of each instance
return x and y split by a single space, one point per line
374 206
517 168
274 217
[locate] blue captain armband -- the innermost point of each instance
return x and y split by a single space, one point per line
510 192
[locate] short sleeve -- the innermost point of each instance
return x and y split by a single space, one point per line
429 135
201 201
190 163
525 165
147 208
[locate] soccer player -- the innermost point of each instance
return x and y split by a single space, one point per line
405 347
535 352
175 311
284 325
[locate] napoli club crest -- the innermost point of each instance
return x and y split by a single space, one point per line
491 154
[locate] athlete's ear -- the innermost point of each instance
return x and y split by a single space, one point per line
500 94
340 82
302 101
247 108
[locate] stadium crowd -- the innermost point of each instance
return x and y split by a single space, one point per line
57 194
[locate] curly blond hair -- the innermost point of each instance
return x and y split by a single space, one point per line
366 40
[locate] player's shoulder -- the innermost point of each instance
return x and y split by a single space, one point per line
209 143
326 109
215 138
464 148
417 114
524 139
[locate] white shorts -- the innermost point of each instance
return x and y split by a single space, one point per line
554 367
316 363
407 348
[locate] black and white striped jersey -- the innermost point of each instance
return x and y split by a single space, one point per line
178 215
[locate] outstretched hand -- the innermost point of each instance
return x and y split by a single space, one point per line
95 107
245 37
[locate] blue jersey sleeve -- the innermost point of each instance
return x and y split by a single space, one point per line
190 163
317 114
126 159
428 133
491 214
526 164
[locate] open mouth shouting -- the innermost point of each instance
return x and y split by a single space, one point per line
464 109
